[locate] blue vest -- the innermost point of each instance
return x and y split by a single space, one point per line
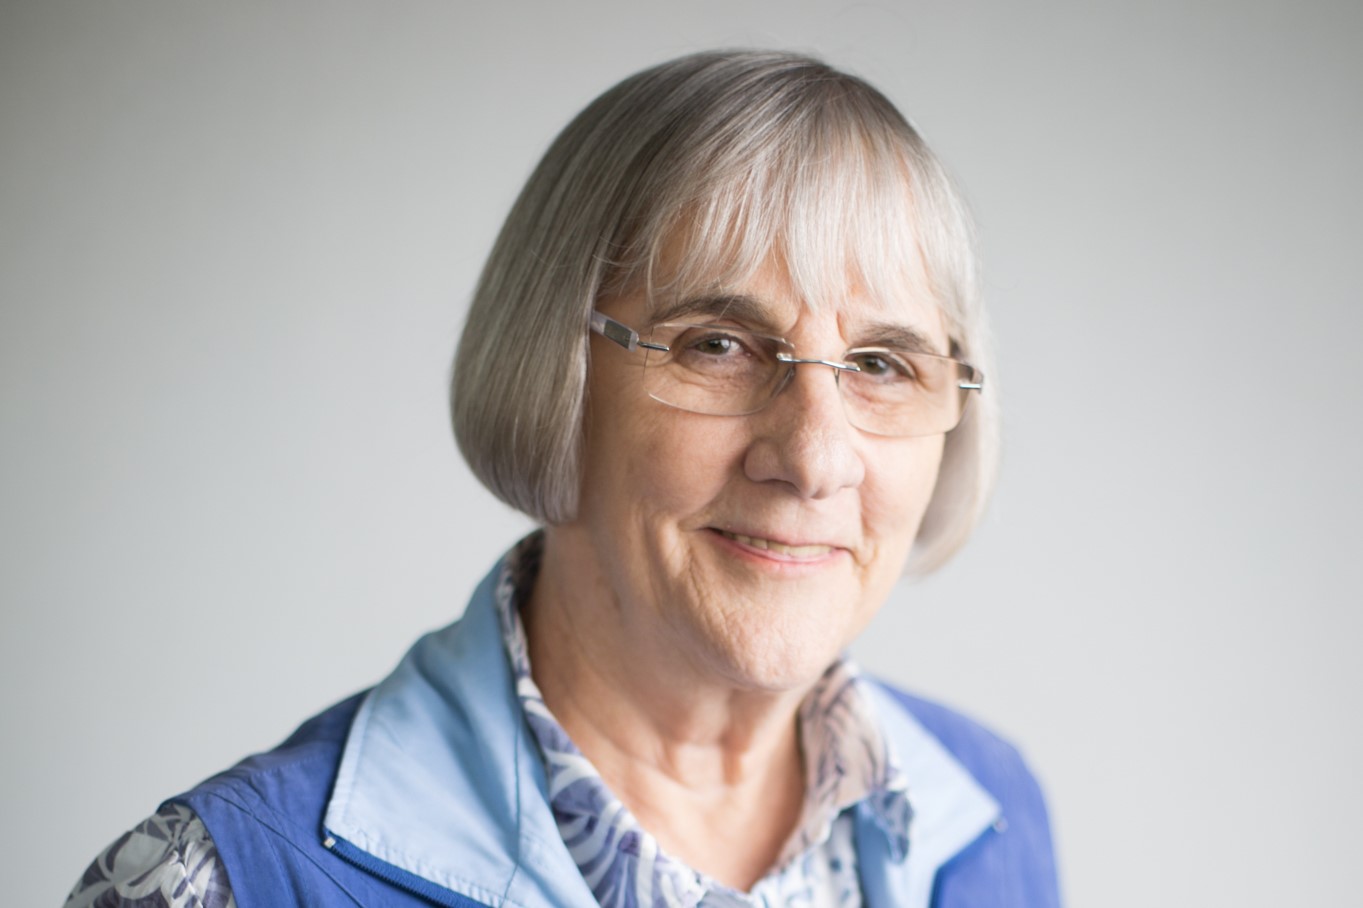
427 790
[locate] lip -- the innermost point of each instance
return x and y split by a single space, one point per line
775 549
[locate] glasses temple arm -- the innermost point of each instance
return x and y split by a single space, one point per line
620 334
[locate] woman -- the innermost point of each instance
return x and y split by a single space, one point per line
728 351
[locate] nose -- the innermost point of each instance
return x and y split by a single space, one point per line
802 438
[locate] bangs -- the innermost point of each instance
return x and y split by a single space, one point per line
833 192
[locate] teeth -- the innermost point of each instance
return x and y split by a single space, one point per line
795 551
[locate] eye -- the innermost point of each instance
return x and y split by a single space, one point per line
719 352
712 351
711 344
715 345
883 365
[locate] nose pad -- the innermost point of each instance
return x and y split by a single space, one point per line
782 383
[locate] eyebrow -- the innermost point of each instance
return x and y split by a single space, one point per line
738 306
750 310
896 337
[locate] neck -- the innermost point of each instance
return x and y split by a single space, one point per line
709 766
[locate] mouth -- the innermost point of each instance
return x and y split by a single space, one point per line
778 548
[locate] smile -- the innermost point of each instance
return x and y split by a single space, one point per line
780 548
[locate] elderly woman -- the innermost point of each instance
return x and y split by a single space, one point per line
728 351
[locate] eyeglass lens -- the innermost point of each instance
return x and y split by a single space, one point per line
727 372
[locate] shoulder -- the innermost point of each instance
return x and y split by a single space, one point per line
166 861
1017 850
275 797
263 814
265 817
302 766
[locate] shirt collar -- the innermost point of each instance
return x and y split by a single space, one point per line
442 737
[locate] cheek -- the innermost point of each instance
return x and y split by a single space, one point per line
899 487
647 465
689 461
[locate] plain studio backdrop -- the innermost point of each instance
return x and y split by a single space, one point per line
236 244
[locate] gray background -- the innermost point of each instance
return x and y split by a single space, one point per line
236 240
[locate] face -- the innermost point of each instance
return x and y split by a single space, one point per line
751 548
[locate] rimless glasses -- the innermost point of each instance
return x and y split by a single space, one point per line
722 371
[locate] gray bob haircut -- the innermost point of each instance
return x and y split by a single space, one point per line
742 156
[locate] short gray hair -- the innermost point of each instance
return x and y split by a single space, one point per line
743 154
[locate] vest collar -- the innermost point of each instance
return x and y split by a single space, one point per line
440 780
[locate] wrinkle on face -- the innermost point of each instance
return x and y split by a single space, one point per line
659 484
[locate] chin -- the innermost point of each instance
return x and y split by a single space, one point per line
769 660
